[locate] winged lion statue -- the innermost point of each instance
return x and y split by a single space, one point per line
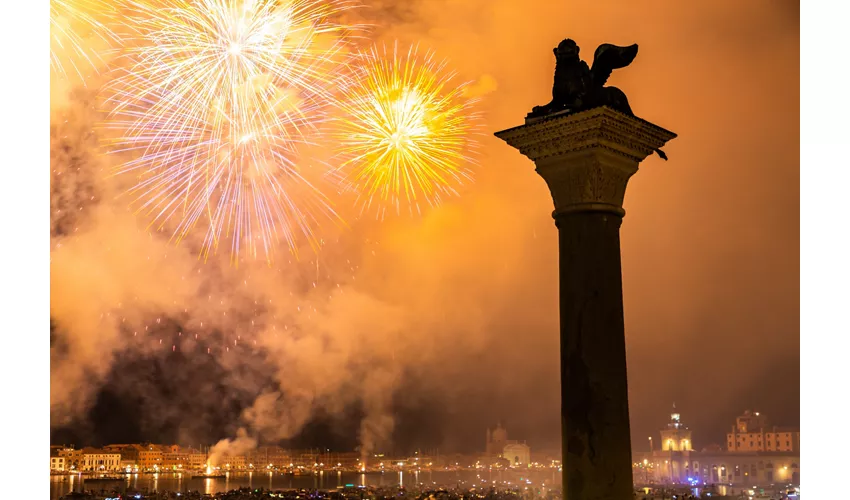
579 88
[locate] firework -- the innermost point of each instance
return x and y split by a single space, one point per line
214 97
74 34
406 132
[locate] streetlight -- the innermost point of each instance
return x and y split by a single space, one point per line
650 444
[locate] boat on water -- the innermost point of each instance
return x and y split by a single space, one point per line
209 473
103 478
209 476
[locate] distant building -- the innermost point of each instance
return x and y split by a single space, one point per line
678 463
496 440
517 453
150 456
677 436
129 453
752 433
57 463
231 462
178 457
197 459
175 458
73 458
345 460
272 456
98 459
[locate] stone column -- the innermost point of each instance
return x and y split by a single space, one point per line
587 159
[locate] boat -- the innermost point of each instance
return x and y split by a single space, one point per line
209 474
103 478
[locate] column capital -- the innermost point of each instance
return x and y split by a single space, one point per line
587 158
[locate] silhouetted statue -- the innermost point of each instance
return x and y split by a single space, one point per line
579 88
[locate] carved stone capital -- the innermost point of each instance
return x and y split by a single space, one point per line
587 158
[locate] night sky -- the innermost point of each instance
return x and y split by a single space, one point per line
447 322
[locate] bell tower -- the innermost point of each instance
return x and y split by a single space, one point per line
677 436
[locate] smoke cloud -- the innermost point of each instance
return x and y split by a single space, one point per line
231 448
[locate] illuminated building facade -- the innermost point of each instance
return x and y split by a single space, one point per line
517 453
129 453
96 459
175 458
678 463
673 461
752 433
747 468
230 462
57 463
273 456
346 460
677 436
73 458
150 457
197 458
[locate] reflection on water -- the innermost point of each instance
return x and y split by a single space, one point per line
61 485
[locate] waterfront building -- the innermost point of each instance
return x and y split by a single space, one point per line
747 468
677 436
100 460
57 463
230 462
197 458
518 454
268 456
73 457
752 432
678 463
345 460
175 458
129 453
150 457
496 440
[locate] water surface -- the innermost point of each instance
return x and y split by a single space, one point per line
61 485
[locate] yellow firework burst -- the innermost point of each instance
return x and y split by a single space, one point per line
213 98
76 36
407 130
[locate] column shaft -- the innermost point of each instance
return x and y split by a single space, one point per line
594 391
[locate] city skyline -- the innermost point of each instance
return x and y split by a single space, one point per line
647 444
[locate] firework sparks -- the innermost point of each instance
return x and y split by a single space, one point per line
215 96
74 30
406 134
